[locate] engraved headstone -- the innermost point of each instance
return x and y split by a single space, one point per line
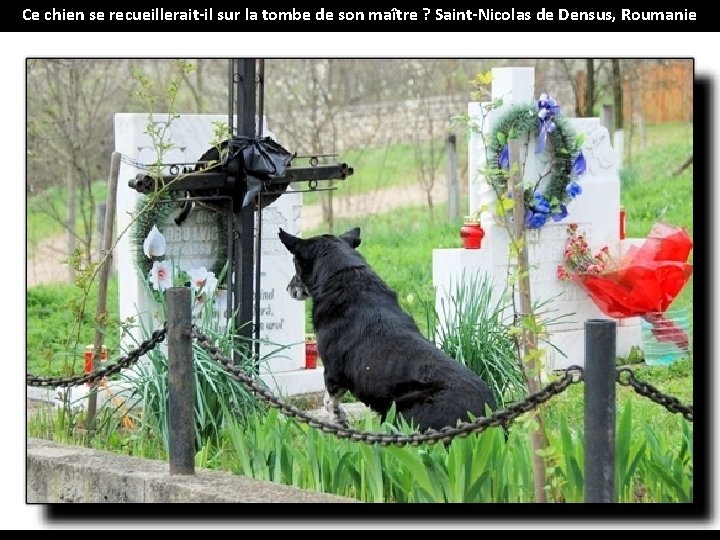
198 242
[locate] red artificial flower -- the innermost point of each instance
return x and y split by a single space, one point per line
646 282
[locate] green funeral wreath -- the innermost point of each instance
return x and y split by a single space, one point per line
552 131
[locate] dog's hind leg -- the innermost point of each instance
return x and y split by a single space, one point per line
332 406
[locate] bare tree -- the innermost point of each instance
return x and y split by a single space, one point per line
69 130
207 86
427 81
196 84
588 85
342 104
314 131
572 80
303 100
427 151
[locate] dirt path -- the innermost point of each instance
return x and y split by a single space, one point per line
375 202
47 265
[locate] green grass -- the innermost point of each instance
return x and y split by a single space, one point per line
649 191
380 168
654 453
54 346
675 379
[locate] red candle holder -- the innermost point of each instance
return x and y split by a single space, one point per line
88 356
472 234
622 223
90 353
311 353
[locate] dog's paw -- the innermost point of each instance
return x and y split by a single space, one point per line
338 417
335 413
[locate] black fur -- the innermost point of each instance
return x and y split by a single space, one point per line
372 348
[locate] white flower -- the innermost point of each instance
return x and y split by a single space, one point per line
161 275
154 244
204 284
203 281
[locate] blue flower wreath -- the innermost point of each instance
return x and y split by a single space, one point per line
543 121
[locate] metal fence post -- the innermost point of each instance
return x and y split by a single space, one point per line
181 382
600 338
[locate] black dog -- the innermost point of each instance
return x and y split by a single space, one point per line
372 348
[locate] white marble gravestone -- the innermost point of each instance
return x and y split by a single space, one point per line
596 211
195 243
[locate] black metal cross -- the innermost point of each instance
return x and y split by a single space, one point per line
246 96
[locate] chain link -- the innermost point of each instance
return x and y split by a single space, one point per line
134 162
174 167
647 390
497 419
572 375
132 357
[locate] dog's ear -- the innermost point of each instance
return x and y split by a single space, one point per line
292 243
352 237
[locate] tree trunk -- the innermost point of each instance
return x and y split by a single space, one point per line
574 80
617 93
589 87
431 208
529 338
70 223
106 264
319 88
198 88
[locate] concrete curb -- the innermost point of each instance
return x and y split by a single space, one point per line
59 473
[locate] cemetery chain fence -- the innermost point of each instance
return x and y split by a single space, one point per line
501 418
